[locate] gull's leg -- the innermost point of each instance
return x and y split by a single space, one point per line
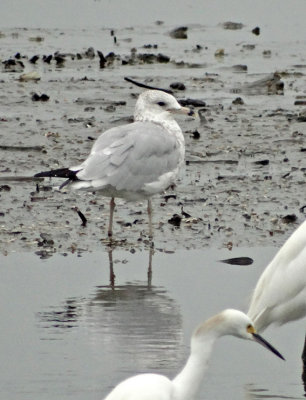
151 252
112 205
150 219
112 275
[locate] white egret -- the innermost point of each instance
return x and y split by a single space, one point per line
186 384
133 161
279 297
280 294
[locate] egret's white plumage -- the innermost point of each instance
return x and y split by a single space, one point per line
280 293
279 297
186 384
137 160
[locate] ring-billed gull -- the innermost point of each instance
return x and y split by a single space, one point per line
187 383
133 161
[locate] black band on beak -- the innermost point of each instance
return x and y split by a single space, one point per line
259 339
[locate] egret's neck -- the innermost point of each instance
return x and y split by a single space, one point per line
188 382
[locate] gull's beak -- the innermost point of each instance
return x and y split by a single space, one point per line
266 344
184 110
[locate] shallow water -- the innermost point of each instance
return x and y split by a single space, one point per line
67 333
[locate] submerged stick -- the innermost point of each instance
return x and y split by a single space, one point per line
19 178
22 148
81 215
183 102
143 85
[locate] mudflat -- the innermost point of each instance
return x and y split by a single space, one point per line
244 180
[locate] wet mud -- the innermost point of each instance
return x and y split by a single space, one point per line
244 180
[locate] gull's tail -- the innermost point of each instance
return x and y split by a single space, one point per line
59 173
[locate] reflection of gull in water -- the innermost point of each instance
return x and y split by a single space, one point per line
132 320
136 319
133 161
112 275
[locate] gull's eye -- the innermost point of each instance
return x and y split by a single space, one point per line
161 103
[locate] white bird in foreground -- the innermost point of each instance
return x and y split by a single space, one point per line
133 161
187 383
280 294
279 297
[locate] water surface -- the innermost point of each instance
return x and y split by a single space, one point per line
66 332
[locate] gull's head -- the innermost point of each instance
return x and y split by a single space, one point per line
235 323
156 104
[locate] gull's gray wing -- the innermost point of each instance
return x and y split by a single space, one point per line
130 156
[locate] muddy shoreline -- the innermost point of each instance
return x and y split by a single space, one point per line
245 155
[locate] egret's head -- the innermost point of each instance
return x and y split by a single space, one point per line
238 324
155 103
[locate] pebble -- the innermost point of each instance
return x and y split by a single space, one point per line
36 39
262 162
271 84
238 101
195 135
300 103
33 59
102 59
90 53
47 59
240 68
232 25
287 219
5 188
249 46
30 76
12 65
256 31
267 53
219 53
149 58
177 86
179 33
37 97
59 60
192 102
175 220
238 261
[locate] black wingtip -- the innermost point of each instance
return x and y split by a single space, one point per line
58 173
